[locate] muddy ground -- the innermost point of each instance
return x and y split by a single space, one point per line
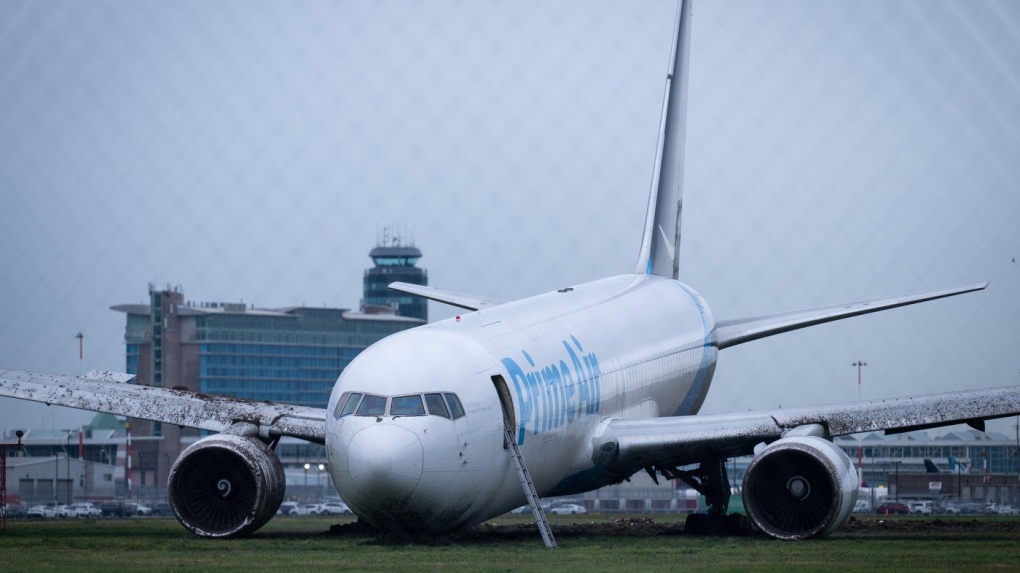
674 526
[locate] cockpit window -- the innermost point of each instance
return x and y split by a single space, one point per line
347 404
445 405
372 405
407 406
437 407
455 408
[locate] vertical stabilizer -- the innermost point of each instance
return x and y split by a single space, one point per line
660 243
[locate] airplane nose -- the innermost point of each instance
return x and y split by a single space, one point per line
385 461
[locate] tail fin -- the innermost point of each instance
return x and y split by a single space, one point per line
660 244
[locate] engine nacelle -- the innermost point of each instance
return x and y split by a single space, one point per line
226 486
800 487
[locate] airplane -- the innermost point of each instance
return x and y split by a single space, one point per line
449 424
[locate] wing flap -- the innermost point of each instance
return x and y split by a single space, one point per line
166 405
732 332
460 300
626 446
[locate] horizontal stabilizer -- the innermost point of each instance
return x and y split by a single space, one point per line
460 300
732 332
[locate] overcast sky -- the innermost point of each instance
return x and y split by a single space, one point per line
251 151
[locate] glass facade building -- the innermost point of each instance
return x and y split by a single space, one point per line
291 355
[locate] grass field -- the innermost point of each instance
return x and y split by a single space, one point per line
586 544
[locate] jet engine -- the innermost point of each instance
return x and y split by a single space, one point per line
800 487
226 485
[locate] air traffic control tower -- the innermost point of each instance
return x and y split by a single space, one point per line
394 261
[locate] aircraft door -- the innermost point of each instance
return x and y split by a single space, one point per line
506 402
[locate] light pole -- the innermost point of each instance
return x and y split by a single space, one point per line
307 467
318 481
859 364
3 477
67 458
81 350
959 488
896 465
56 470
1016 454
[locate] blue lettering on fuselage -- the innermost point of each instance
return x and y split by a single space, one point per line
556 394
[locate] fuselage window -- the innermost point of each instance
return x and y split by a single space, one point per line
407 406
437 407
455 408
348 404
372 405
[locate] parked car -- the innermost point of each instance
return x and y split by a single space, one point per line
113 509
920 507
138 509
568 509
87 509
1001 509
862 506
287 508
14 511
41 511
66 511
161 509
950 508
334 508
307 509
891 507
973 507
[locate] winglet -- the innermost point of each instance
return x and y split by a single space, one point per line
660 242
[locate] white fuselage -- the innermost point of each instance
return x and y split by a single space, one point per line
630 346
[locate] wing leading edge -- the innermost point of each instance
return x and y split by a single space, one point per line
732 332
629 445
108 394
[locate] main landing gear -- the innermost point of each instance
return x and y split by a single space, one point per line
710 480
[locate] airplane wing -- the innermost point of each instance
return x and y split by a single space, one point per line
629 445
733 332
468 301
105 392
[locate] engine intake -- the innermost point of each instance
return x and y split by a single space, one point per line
800 487
226 486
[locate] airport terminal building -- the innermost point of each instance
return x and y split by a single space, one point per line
291 355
